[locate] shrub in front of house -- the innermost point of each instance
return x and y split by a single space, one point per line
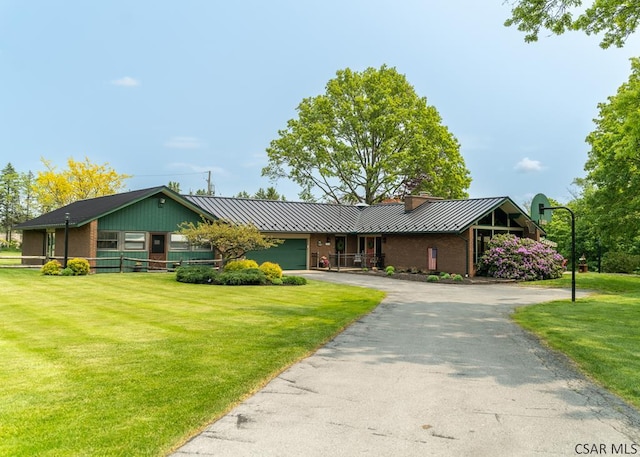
294 280
271 270
79 267
390 270
523 259
195 274
51 268
242 264
457 278
433 278
244 277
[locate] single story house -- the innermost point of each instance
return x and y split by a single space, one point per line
422 232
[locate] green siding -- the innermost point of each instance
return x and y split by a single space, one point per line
291 255
148 216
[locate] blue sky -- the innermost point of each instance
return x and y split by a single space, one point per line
168 91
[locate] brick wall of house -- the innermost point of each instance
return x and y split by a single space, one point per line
79 242
410 251
33 243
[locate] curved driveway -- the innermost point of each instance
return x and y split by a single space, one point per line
435 370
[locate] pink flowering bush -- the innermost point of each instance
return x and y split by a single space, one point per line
510 257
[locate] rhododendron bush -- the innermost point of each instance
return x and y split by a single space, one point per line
510 257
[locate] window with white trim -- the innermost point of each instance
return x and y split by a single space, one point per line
107 240
134 241
178 242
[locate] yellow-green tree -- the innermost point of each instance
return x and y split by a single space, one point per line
231 240
79 181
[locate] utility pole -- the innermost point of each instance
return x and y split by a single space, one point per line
209 185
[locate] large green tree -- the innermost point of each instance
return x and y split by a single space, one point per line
616 18
369 137
613 165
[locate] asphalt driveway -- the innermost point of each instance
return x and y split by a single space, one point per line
435 370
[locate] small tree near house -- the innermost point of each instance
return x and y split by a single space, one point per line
231 240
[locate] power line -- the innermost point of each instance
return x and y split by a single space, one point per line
170 174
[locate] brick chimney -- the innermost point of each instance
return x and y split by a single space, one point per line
411 202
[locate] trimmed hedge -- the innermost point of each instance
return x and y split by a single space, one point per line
236 265
294 280
271 270
195 274
51 268
246 277
80 267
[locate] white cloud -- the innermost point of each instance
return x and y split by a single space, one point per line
198 168
126 81
527 165
183 142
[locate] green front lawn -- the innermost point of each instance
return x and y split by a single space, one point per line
600 332
14 260
133 364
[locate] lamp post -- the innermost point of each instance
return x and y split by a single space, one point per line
66 239
541 209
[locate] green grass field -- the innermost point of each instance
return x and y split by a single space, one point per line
14 260
133 364
599 332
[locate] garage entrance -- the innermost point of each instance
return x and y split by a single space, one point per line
290 255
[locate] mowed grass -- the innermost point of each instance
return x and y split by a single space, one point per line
134 364
601 332
14 257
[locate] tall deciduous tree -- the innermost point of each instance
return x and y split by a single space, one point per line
81 180
616 18
613 165
369 137
230 240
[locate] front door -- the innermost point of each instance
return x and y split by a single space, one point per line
158 251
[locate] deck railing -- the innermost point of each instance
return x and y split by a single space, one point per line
347 260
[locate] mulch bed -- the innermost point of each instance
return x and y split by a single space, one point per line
422 277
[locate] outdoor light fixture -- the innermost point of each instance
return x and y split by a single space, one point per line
66 239
161 202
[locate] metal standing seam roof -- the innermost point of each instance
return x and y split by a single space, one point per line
439 216
276 216
281 216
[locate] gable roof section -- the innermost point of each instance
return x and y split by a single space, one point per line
436 216
281 216
84 211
